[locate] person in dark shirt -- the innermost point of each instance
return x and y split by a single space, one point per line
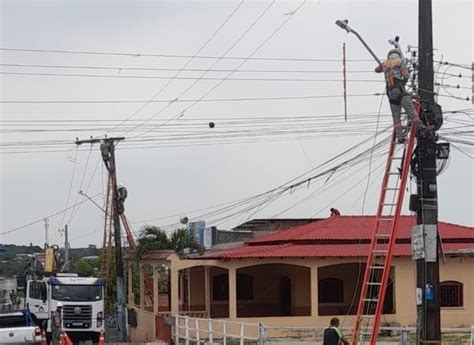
333 334
335 212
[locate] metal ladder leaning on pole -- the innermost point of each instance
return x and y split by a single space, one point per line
377 270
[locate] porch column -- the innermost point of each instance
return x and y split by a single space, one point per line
156 277
174 291
131 296
207 292
142 287
232 293
314 291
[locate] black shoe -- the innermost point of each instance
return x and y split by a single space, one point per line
401 140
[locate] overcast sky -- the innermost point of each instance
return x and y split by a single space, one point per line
249 151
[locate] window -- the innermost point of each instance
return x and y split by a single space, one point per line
331 290
220 287
37 290
244 287
451 294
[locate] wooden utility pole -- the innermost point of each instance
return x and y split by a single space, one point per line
107 148
426 200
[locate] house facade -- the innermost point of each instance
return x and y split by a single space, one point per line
301 276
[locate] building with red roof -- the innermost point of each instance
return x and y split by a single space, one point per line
306 274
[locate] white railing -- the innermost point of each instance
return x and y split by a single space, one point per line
207 331
203 331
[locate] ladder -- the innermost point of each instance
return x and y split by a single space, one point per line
106 256
377 270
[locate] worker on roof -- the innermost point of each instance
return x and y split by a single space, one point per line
396 76
333 334
334 212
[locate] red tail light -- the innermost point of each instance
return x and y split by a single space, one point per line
37 333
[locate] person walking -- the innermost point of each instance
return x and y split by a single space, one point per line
396 76
333 334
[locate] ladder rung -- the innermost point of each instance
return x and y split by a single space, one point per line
394 173
368 316
379 251
371 283
377 267
370 300
382 235
391 188
389 204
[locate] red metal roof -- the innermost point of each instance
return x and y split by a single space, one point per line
325 234
354 228
314 250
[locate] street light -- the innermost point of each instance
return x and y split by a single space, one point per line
343 24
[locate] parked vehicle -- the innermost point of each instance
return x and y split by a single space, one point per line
82 300
19 328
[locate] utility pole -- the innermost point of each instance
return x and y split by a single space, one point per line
46 232
107 148
66 249
425 202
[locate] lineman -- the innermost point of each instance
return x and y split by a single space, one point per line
396 76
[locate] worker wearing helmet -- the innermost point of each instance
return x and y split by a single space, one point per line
56 323
396 76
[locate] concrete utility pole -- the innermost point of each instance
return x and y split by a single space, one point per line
107 148
66 249
425 202
46 232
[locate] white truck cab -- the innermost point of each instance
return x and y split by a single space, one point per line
82 299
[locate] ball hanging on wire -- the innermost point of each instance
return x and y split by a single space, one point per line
211 124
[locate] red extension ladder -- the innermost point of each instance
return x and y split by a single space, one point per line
377 270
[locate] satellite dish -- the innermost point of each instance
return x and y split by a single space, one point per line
184 220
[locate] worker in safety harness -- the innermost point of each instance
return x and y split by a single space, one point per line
396 76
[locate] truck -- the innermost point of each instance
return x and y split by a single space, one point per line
18 327
82 300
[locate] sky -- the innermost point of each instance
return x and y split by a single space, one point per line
266 132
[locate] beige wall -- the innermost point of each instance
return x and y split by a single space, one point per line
458 269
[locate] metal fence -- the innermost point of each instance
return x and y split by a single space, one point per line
189 330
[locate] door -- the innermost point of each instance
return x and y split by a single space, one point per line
37 298
285 296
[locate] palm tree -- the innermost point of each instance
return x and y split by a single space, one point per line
151 238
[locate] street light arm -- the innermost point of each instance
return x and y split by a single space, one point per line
93 201
343 24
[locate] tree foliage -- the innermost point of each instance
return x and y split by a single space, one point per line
153 238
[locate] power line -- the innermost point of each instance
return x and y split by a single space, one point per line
42 218
241 37
244 99
135 55
156 94
216 70
187 78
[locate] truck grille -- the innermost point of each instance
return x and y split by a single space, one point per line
77 316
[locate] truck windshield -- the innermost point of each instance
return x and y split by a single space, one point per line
76 292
